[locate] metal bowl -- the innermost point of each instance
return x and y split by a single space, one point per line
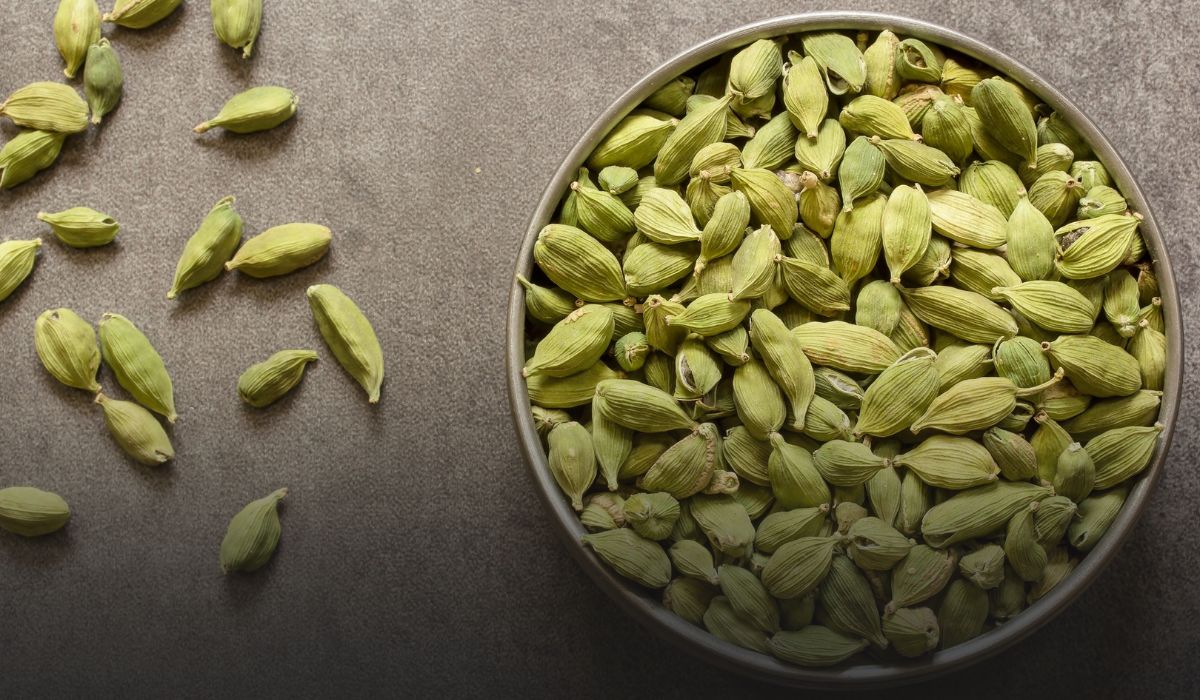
646 608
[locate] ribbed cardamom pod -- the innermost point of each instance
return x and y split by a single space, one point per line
701 196
786 360
844 463
664 217
1049 156
725 230
45 106
66 345
878 306
349 336
640 407
983 567
253 535
1006 116
949 462
1122 453
136 431
281 249
139 14
794 477
32 512
1048 442
1137 409
857 238
715 161
652 515
672 97
845 346
733 346
1031 247
725 522
268 381
933 265
759 401
1009 598
1012 453
915 500
206 252
783 526
1096 514
746 455
912 632
1076 473
81 227
1051 305
986 144
869 115
1101 200
574 343
899 395
646 450
16 263
76 27
992 182
774 144
602 214
572 460
701 126
963 218
962 614
612 444
708 315
879 59
825 421
256 109
1055 129
137 365
883 489
602 511
1090 173
804 94
686 468
103 80
1149 348
631 351
568 392
799 566
1021 548
981 271
689 598
1059 566
1094 366
634 142
579 264
975 404
549 305
725 623
236 23
921 575
818 204
861 173
657 314
947 128
617 180
1051 519
748 597
754 264
848 603
815 646
875 545
960 361
697 369
907 226
1063 401
840 61
771 202
822 155
27 154
977 512
958 79
967 315
915 161
1056 194
1094 247
838 388
815 287
919 62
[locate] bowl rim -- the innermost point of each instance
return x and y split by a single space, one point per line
643 605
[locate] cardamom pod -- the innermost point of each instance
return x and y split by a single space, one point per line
694 560
822 155
66 345
978 511
907 226
1052 518
103 79
1021 548
137 365
947 128
574 343
27 154
136 431
882 79
268 381
960 361
139 14
786 361
868 115
579 264
689 598
920 575
1049 156
1076 473
208 249
848 604
236 23
725 623
967 220
652 515
799 566
634 143
281 249
1094 366
795 480
804 94
1137 409
1006 116
1056 194
1096 513
16 263
1031 247
819 204
1101 200
1012 453
701 126
919 62
572 461
775 143
349 336
840 61
912 632
771 202
256 109
967 315
726 524
899 395
1122 453
568 392
32 512
981 271
913 160
253 535
46 106
962 614
783 526
815 646
81 227
76 27
983 567
949 462
845 346
748 597
992 182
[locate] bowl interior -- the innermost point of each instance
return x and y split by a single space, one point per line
646 608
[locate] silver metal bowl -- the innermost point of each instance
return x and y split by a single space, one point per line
647 608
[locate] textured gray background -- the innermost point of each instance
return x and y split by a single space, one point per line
415 557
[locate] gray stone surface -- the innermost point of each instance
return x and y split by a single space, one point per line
415 558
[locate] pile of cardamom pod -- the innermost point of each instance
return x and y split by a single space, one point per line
848 348
66 344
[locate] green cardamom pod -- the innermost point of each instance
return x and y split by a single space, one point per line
579 264
815 646
794 477
844 463
47 107
1096 514
950 462
821 155
786 361
962 614
1094 366
689 598
76 27
947 128
772 146
652 515
994 183
978 511
253 535
959 79
1122 453
818 204
572 460
81 227
1031 247
1076 473
727 624
574 343
907 226
1009 598
268 381
920 575
804 94
103 80
960 361
1138 409
207 251
281 249
915 500
783 526
136 431
1101 200
634 143
882 80
546 304
256 109
701 126
857 238
981 271
16 263
917 162
1051 305
27 154
912 632
861 172
868 115
848 603
967 220
748 597
568 392
236 23
840 61
875 545
1012 453
983 567
694 560
1021 548
771 202
672 97
31 512
349 336
967 315
66 345
725 523
1056 194
799 566
918 62
139 14
137 365
1006 116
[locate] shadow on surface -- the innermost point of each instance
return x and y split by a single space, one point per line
150 38
253 147
44 551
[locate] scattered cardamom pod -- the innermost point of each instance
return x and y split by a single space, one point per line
253 535
349 336
16 263
54 107
256 109
103 80
76 27
137 365
136 431
66 345
139 14
268 381
31 512
208 249
236 23
81 227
